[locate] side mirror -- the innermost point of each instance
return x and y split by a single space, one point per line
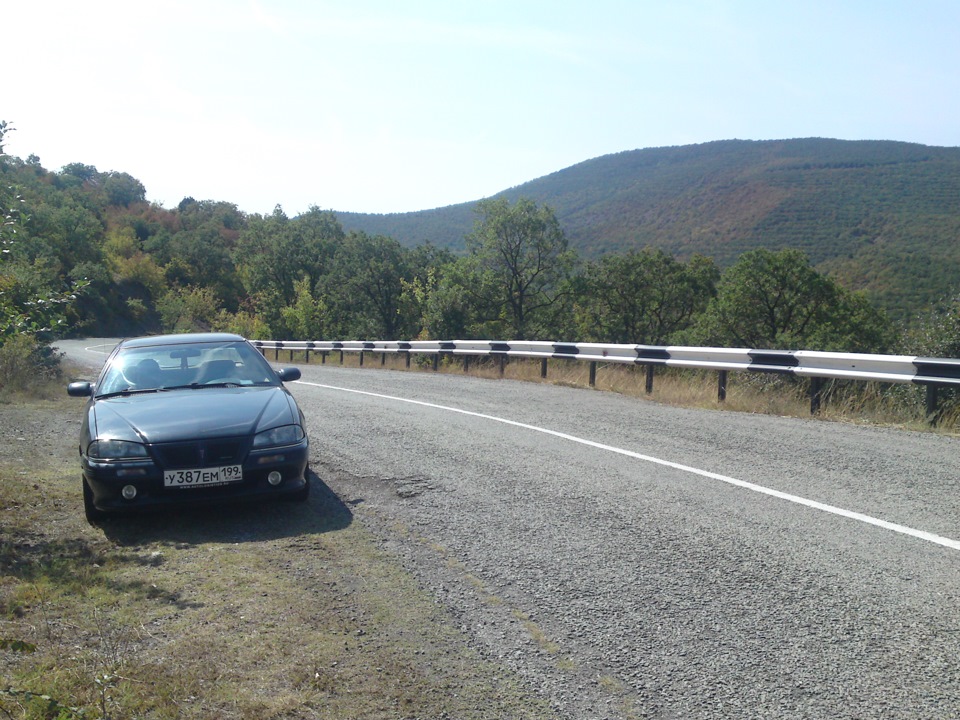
80 389
288 374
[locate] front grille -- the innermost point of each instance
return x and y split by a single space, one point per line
200 453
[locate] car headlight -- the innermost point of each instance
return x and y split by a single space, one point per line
283 435
116 450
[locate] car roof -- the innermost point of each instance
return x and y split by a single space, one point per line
180 339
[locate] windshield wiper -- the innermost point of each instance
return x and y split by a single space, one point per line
128 391
200 386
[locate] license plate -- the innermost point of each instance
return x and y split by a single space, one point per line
203 477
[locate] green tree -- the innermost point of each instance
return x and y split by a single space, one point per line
368 273
273 253
189 309
306 318
33 294
778 300
200 258
123 189
518 264
449 311
426 264
935 332
644 296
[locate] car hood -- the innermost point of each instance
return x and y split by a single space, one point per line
193 414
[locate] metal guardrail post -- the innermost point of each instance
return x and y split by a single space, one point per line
933 400
436 362
816 394
722 386
593 373
648 385
383 359
407 359
543 368
503 364
361 358
466 363
341 357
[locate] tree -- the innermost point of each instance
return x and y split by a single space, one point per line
519 261
189 309
368 273
644 296
273 252
428 264
935 332
123 189
449 311
306 318
33 295
778 300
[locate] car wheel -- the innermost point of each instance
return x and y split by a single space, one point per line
89 509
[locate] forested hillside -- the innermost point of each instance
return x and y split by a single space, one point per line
878 216
730 244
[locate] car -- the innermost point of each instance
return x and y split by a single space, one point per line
189 419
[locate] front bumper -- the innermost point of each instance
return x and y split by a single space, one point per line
107 478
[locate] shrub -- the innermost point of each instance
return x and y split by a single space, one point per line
27 366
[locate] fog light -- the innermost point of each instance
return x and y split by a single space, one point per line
274 478
129 492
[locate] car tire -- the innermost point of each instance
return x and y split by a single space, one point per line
89 509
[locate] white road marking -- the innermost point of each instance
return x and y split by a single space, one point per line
850 514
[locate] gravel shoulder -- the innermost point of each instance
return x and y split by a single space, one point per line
284 611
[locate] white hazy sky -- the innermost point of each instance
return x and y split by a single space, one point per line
382 106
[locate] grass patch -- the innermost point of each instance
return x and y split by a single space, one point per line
277 611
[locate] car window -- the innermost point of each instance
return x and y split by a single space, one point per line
166 366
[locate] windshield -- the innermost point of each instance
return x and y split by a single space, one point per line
162 367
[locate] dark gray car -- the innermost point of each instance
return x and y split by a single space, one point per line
189 419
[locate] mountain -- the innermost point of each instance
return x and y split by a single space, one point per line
879 216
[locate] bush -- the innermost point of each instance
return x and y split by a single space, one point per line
27 366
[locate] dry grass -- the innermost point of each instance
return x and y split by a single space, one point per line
856 402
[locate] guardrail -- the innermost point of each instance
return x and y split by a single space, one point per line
818 366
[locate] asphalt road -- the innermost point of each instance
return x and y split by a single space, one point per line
652 572
88 354
634 560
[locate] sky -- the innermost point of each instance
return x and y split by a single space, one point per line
382 106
